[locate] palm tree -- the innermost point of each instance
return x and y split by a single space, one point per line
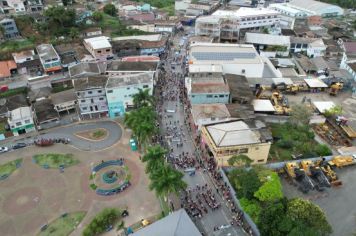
143 98
167 180
154 158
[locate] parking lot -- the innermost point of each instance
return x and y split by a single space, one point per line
337 202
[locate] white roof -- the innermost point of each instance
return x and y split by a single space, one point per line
20 113
232 134
322 106
267 39
98 42
209 19
287 81
262 105
193 68
315 83
150 37
244 12
314 6
285 7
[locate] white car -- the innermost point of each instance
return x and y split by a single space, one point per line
3 149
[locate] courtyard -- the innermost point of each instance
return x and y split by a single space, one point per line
33 196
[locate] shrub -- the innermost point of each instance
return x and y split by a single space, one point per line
323 150
102 221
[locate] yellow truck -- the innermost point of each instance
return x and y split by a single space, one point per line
342 161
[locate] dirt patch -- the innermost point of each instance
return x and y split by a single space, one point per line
93 134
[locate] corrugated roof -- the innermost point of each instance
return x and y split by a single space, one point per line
267 39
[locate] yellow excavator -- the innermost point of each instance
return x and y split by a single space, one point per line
279 104
335 88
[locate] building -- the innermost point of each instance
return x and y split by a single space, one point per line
11 103
241 59
227 25
12 7
117 68
7 69
20 121
91 96
205 114
44 114
71 54
120 89
177 223
85 69
50 60
92 32
65 101
99 47
207 88
151 45
348 57
318 8
351 68
314 47
195 8
270 45
10 28
28 63
226 139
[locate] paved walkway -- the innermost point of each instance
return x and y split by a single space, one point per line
113 128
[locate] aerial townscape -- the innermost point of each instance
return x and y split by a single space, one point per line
177 117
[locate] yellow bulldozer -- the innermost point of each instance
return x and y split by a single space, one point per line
335 88
342 161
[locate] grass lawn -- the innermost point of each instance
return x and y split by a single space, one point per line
295 140
63 226
99 134
54 160
12 92
8 168
8 47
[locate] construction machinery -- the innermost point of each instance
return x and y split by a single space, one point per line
290 88
280 103
305 183
342 122
342 161
259 92
329 172
317 175
290 166
335 88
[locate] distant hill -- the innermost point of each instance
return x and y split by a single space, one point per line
342 3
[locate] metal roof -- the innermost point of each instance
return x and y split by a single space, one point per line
222 56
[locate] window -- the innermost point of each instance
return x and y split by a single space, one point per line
128 88
193 96
90 92
108 50
84 108
99 51
27 121
145 86
243 150
18 123
221 96
83 100
99 91
209 96
109 91
101 99
260 160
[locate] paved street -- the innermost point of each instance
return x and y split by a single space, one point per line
172 124
114 134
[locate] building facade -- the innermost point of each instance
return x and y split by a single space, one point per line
50 60
21 121
120 90
10 28
99 47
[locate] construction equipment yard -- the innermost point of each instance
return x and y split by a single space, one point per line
338 201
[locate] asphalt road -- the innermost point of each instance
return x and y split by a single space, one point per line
222 216
114 135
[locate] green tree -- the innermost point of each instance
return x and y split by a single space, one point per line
271 190
246 182
101 222
251 207
154 158
300 114
240 160
73 33
271 218
110 9
166 180
334 111
97 16
142 98
323 150
59 20
308 214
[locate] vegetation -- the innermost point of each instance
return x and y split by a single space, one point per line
13 92
342 3
59 21
143 98
9 167
276 48
334 111
99 133
240 160
298 140
64 225
102 221
8 47
300 114
110 9
271 211
158 3
54 160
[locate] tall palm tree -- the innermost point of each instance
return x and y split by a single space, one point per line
167 180
154 158
143 98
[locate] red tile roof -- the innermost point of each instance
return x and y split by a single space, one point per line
6 67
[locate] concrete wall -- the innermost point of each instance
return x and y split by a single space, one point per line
203 98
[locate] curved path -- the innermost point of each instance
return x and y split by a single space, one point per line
113 128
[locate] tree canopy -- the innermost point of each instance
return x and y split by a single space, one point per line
110 9
300 114
239 160
102 221
154 158
271 189
143 98
59 20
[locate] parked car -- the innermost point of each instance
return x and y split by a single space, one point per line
19 145
3 149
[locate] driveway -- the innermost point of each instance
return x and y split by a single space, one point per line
114 135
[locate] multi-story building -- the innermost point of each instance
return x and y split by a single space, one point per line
12 7
240 59
10 28
91 96
230 138
120 89
99 47
314 47
204 114
227 25
269 45
20 121
117 68
207 88
49 58
348 61
27 62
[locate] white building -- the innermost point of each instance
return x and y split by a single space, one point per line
238 59
270 45
205 114
348 61
99 47
314 47
304 8
21 121
227 24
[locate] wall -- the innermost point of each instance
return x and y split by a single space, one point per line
251 70
202 98
88 99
